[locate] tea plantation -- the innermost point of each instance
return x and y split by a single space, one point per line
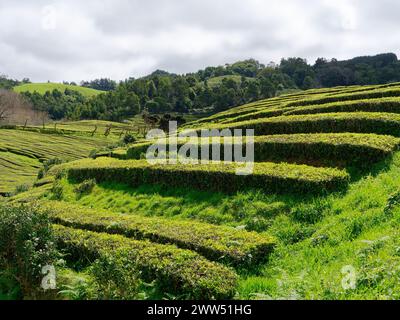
323 198
22 151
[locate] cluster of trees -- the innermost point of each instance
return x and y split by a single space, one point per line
379 69
100 84
213 89
8 84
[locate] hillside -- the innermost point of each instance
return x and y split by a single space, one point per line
42 88
320 210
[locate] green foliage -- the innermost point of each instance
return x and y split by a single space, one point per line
174 270
100 84
47 165
26 246
373 94
57 190
215 243
21 188
392 202
390 104
128 139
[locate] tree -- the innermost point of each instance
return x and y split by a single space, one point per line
253 91
15 109
152 92
6 105
297 69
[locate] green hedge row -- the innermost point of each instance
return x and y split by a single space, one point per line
373 94
267 113
357 122
343 148
177 270
391 105
222 244
236 112
219 177
117 154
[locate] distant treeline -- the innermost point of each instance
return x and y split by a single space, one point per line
213 89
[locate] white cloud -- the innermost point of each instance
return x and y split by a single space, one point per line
75 40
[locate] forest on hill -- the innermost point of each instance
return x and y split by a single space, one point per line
208 91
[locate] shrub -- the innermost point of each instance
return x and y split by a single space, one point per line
26 245
174 270
21 188
47 165
392 202
128 139
86 187
112 281
57 190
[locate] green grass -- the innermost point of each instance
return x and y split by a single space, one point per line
42 88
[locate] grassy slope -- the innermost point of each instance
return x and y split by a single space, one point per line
354 230
43 87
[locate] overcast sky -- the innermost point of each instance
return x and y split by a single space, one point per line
75 40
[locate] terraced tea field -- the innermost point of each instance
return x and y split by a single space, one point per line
23 152
323 195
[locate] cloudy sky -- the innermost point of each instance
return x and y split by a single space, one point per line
84 39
